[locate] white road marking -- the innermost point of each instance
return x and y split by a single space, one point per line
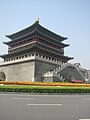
45 104
18 98
86 98
84 119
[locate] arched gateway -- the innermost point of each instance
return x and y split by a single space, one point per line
2 76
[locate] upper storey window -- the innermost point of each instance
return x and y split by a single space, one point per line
23 42
50 44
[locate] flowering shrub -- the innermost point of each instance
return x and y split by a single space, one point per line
45 84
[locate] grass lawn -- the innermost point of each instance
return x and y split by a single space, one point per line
43 89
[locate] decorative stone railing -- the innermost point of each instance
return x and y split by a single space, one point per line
56 71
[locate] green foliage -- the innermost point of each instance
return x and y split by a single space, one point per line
44 89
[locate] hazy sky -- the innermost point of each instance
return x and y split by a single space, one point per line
69 18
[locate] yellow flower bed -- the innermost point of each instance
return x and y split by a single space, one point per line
45 84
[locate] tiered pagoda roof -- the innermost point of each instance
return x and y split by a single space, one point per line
36 30
36 27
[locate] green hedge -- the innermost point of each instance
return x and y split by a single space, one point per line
38 89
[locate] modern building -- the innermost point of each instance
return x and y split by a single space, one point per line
37 54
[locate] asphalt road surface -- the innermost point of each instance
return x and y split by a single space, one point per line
44 107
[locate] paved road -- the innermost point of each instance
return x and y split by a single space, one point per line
44 107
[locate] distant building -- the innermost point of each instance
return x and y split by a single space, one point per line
37 54
85 72
88 76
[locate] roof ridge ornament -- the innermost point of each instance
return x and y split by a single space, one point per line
37 20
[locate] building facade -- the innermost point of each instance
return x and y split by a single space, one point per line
37 54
